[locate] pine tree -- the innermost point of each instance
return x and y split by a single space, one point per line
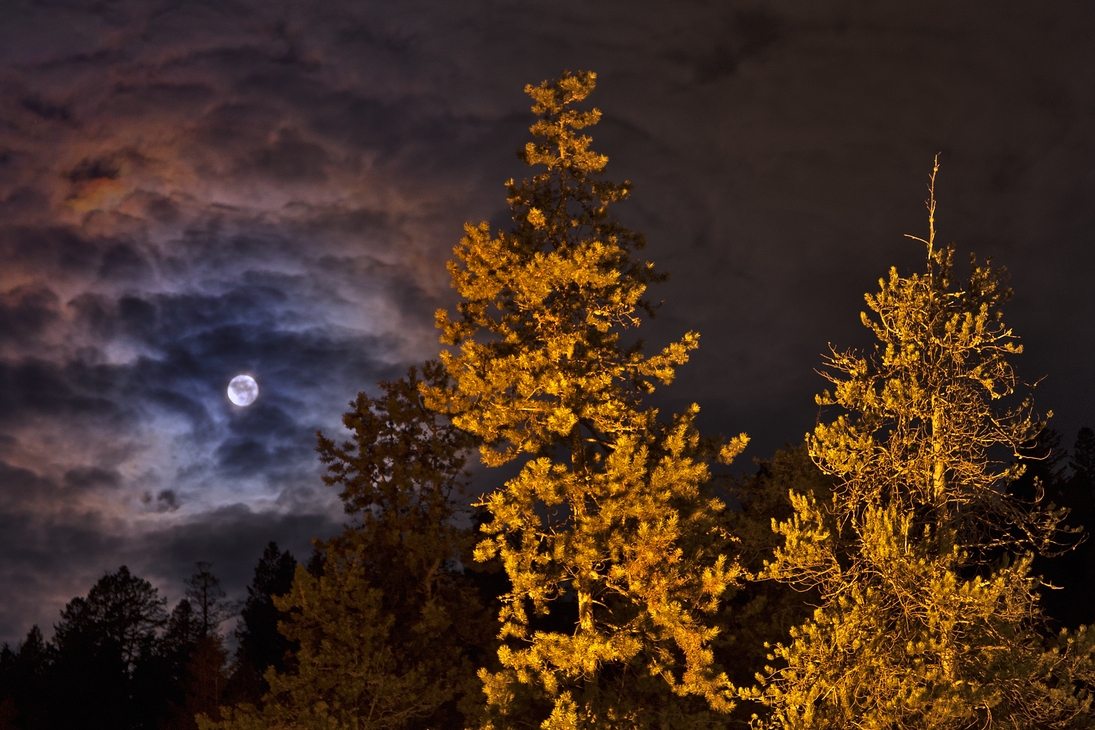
207 598
929 616
388 630
1070 598
260 644
760 612
1083 456
611 515
122 612
102 643
168 680
25 689
203 682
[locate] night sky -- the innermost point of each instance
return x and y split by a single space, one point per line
194 190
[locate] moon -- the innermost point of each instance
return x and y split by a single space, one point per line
243 390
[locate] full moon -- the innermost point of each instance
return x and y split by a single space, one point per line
243 390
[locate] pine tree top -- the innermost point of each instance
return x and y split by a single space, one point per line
543 305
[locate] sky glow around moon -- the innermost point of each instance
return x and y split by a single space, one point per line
243 390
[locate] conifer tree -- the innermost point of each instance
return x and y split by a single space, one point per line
25 689
762 611
260 644
176 647
611 515
103 642
928 616
389 631
207 598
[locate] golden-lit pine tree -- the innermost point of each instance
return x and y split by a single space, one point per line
929 617
611 515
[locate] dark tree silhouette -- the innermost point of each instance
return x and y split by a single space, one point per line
1068 592
100 643
763 612
208 600
261 645
24 677
193 650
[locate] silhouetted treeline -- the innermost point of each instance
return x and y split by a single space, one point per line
117 659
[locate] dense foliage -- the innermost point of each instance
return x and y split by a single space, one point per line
929 615
613 510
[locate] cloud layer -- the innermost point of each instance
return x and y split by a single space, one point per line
192 190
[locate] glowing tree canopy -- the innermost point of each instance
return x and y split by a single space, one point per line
611 516
929 617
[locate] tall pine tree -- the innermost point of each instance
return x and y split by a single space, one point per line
102 643
611 515
929 616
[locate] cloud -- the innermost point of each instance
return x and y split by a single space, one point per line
747 33
232 538
25 311
50 559
89 477
192 190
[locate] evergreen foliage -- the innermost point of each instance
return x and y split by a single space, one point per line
261 645
1068 578
929 617
760 612
203 684
176 647
121 615
194 650
612 512
103 643
25 683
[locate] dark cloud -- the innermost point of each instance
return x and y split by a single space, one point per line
92 477
20 483
26 310
166 501
88 170
123 261
94 314
192 190
289 159
48 249
38 388
747 33
232 538
47 109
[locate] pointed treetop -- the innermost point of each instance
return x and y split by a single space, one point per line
553 105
